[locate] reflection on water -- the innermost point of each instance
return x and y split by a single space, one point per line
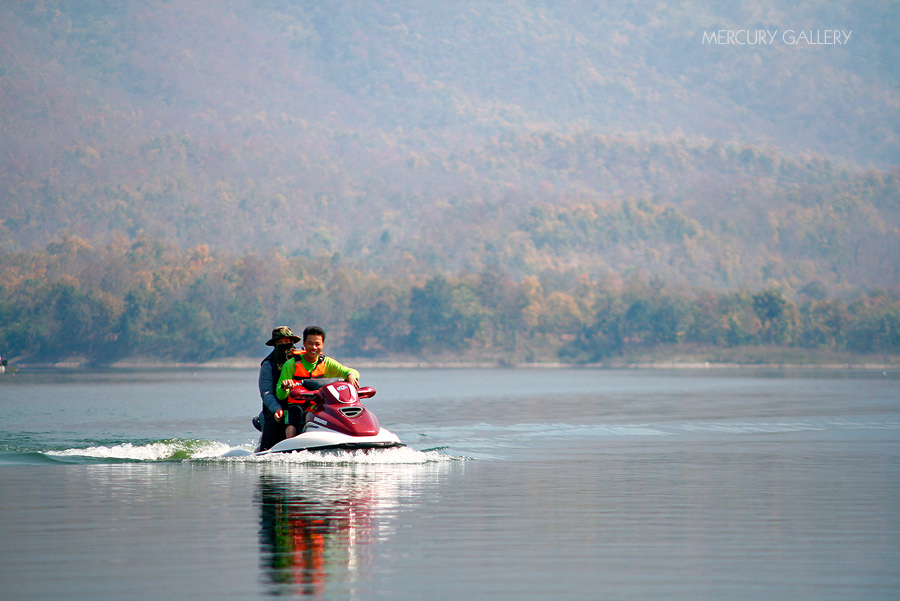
304 538
320 525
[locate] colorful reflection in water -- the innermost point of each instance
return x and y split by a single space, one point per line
320 525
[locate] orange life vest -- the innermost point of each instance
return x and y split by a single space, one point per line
300 372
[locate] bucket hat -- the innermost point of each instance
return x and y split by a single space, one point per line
282 332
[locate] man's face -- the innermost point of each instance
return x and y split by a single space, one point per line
282 346
313 345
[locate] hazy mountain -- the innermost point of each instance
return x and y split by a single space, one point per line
419 137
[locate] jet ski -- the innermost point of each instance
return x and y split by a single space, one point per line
335 419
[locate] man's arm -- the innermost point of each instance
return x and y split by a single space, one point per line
333 369
287 373
267 388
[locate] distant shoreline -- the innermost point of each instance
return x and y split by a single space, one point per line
863 364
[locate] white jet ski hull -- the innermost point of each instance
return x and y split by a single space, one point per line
322 439
326 440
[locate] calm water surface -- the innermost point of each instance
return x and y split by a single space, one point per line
570 484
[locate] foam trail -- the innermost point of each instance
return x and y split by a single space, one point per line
163 450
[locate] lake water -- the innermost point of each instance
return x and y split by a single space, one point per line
557 484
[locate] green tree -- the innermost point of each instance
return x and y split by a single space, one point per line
769 306
432 316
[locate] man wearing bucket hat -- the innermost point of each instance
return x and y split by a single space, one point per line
272 416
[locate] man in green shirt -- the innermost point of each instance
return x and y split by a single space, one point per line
311 363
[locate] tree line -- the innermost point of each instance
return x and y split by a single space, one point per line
143 298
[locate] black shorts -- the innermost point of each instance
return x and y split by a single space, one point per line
272 431
297 415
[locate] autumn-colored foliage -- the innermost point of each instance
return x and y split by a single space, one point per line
417 139
72 301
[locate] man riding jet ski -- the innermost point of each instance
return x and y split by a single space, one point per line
332 417
291 405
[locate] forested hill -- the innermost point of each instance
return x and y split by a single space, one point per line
415 138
